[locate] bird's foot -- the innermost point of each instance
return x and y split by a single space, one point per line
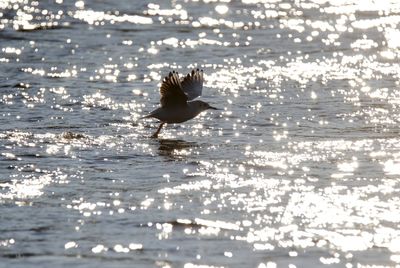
155 135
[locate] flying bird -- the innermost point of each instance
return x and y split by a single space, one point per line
177 99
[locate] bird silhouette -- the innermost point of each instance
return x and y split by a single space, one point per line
177 99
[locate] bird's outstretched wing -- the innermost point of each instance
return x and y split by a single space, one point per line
192 84
171 91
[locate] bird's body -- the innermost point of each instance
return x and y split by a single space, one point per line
177 114
176 99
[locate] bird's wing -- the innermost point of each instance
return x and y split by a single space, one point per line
192 84
171 91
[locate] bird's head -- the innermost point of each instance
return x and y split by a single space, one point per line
201 106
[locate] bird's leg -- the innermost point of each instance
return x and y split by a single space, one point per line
155 135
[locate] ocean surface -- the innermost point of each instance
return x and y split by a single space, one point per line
299 168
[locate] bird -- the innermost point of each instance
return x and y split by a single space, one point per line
177 99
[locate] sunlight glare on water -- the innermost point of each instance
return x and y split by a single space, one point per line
299 167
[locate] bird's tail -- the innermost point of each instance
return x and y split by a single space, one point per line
144 117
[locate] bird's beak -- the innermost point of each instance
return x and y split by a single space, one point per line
212 108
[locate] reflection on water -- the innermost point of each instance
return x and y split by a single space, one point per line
299 169
175 148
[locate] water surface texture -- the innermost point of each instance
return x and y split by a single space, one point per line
300 168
